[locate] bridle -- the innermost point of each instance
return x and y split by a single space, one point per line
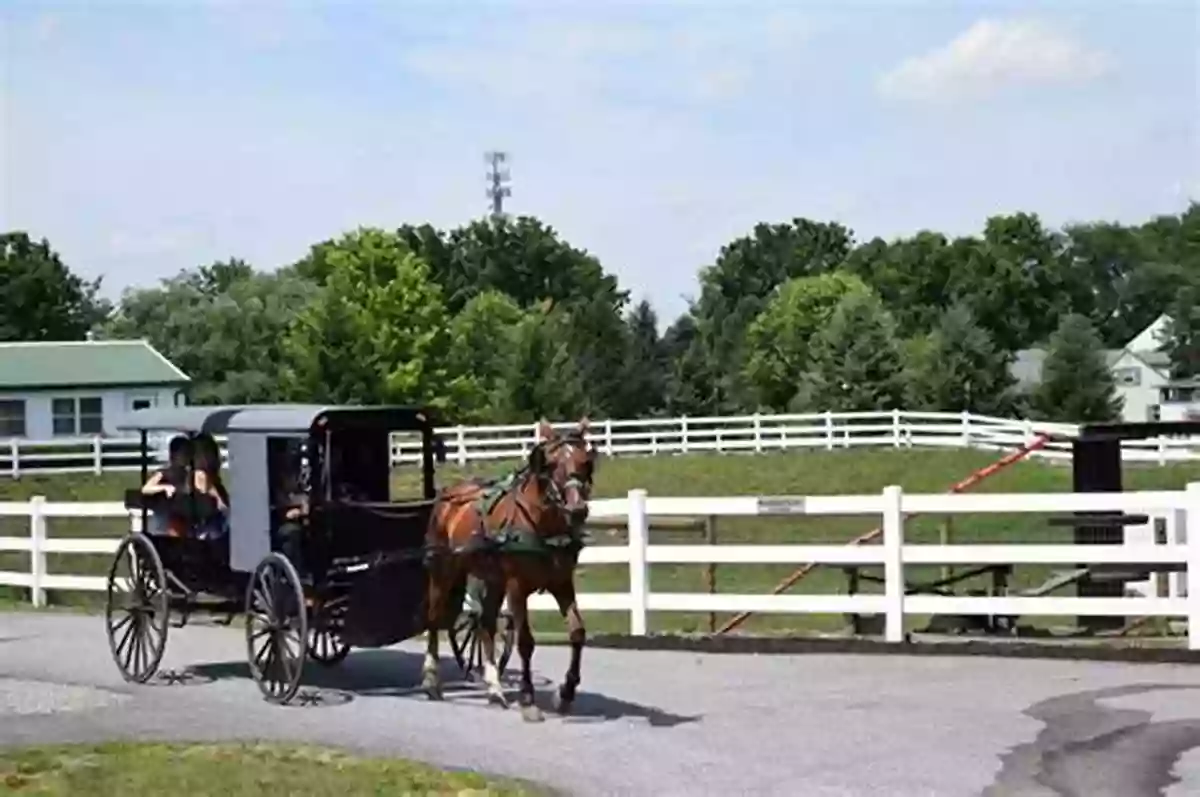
554 492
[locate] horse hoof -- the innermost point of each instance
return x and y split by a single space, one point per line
433 691
563 705
532 713
497 699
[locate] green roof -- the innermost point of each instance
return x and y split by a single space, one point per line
85 363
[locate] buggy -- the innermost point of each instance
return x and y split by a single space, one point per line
349 573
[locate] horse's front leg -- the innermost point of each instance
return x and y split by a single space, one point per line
435 610
518 606
564 595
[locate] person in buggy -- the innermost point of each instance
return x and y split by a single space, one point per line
193 466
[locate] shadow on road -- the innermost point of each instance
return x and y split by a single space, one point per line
395 673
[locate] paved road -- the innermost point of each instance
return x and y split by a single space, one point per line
660 723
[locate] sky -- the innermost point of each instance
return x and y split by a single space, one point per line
146 137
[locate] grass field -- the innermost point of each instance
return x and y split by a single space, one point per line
796 473
228 770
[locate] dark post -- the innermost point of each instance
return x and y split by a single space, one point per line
1097 469
710 574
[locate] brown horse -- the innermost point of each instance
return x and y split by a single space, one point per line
520 535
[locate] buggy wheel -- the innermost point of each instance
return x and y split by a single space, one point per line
276 628
325 647
136 610
467 646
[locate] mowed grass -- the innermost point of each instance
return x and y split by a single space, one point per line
228 770
782 473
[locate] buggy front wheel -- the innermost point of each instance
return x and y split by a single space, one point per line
136 609
276 628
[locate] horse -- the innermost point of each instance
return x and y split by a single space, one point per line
518 536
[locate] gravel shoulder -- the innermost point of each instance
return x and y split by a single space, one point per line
654 723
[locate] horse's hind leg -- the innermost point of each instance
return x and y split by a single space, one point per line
493 597
435 611
564 595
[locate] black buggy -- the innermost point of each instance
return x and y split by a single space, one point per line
360 578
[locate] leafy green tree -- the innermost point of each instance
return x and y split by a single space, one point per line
856 361
542 377
779 340
689 375
376 333
1077 385
643 388
41 298
1181 339
484 336
521 257
956 367
222 324
736 288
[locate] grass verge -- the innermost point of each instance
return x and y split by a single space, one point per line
228 770
797 473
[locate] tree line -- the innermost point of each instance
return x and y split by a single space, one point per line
501 320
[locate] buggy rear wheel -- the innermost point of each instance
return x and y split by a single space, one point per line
136 609
276 628
467 645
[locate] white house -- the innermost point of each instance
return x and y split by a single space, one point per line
58 389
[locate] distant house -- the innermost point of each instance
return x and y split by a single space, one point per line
81 388
1140 370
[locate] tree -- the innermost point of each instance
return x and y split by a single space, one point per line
42 299
541 377
222 324
778 341
521 257
957 367
484 337
1077 385
377 332
644 370
689 376
855 363
735 289
1181 338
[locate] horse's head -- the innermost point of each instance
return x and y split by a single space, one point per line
565 464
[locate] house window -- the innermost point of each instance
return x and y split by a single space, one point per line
141 404
77 416
12 418
1128 377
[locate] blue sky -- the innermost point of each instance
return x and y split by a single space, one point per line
145 137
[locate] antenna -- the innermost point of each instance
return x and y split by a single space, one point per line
497 178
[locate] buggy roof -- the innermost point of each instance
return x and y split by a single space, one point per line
300 418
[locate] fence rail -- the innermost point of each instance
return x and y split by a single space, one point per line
1179 552
658 436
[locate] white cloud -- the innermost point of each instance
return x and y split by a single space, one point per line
993 54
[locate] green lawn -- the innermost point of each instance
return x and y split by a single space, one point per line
796 473
228 770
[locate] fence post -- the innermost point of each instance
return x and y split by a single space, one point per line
828 430
757 433
97 455
639 576
608 437
965 422
683 434
1176 534
1193 565
460 440
896 428
14 449
37 550
893 563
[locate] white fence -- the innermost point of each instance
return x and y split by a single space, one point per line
654 436
891 506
